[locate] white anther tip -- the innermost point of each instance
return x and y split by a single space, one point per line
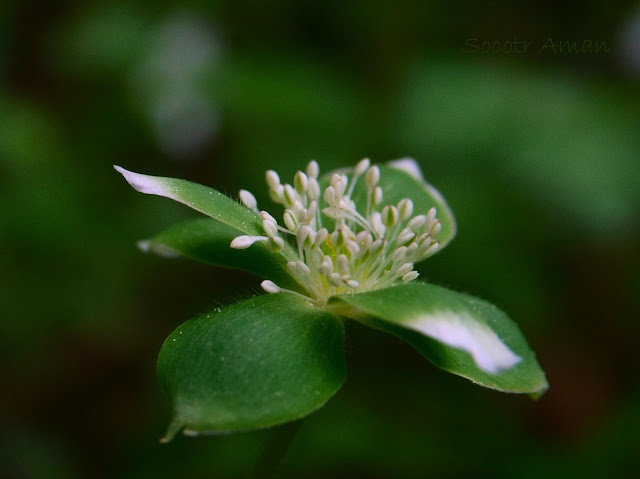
273 180
410 276
248 199
372 177
405 208
244 241
377 196
270 286
313 170
362 166
301 182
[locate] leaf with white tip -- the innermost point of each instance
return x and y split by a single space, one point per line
457 332
257 363
208 241
201 198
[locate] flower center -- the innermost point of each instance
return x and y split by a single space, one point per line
353 251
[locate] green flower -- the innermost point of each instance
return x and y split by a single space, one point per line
346 247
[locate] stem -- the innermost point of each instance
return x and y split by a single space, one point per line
274 452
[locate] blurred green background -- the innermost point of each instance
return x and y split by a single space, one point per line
538 155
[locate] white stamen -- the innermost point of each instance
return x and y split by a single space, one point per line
248 200
301 182
326 267
399 253
290 220
271 228
343 263
417 222
404 269
277 193
362 166
243 242
405 208
267 217
364 250
273 180
428 251
303 267
435 229
313 170
377 226
290 195
389 216
410 276
321 236
404 238
376 246
330 195
372 177
270 286
314 189
277 243
377 196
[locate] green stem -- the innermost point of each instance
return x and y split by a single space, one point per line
274 452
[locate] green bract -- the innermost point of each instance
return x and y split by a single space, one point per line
345 247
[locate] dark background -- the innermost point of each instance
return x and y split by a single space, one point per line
538 155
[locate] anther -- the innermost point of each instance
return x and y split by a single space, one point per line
273 180
248 200
410 276
290 220
313 170
243 242
270 286
362 166
372 177
405 208
301 182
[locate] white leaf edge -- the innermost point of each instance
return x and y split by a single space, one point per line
461 331
149 246
409 166
150 185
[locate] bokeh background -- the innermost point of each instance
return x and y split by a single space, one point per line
538 155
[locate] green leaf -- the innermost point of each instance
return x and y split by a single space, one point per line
257 363
458 333
207 241
201 198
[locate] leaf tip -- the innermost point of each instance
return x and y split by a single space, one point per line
162 250
174 428
149 185
541 391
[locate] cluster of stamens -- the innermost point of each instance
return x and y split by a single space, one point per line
359 252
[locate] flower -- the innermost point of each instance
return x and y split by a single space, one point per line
340 249
345 255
